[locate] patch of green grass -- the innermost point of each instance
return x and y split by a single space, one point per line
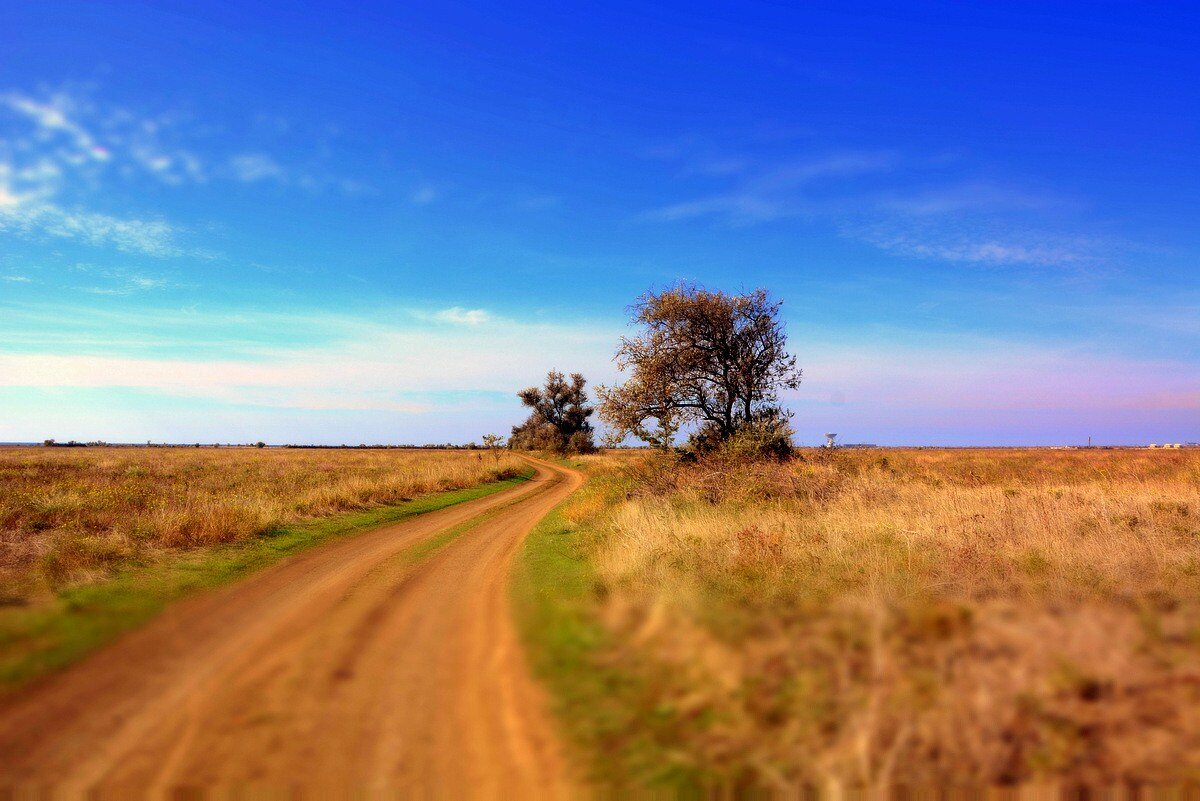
36 641
601 693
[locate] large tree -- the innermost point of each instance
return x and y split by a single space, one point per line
711 360
558 419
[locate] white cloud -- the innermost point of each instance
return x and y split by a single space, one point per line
903 370
972 197
460 316
462 378
59 150
949 246
16 279
970 222
894 381
61 154
71 134
252 167
53 117
775 193
125 284
149 237
374 367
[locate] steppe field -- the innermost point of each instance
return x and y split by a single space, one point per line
874 618
854 619
92 540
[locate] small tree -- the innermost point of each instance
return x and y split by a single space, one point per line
708 359
493 442
559 417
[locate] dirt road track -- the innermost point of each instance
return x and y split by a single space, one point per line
348 667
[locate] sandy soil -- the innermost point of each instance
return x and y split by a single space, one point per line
348 667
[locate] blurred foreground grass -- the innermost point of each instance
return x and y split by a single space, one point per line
875 618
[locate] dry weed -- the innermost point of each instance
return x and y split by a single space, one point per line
990 616
71 515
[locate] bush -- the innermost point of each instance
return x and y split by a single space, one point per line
769 437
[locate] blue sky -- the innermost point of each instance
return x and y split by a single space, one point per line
296 223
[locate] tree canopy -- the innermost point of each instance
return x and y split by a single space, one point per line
559 417
704 358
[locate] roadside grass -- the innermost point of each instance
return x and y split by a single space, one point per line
599 689
866 620
36 641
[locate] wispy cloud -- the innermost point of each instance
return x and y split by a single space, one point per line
148 237
260 168
253 167
802 172
989 390
423 195
57 152
885 200
62 152
736 209
127 284
53 117
973 197
772 194
397 367
975 222
457 315
1020 249
68 133
368 366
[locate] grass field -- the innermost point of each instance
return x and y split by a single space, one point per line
96 541
70 516
881 617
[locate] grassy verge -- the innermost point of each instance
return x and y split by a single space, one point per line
600 690
36 641
865 620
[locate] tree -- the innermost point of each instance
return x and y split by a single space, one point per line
708 359
493 441
559 420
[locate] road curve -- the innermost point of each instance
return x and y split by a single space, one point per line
348 667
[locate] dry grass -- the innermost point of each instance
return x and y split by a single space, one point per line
73 515
876 617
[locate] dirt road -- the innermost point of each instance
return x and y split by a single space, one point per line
352 666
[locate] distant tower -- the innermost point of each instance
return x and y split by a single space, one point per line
829 443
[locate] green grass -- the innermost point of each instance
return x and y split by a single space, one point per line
34 642
600 692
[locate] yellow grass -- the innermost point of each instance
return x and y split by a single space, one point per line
70 515
880 617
